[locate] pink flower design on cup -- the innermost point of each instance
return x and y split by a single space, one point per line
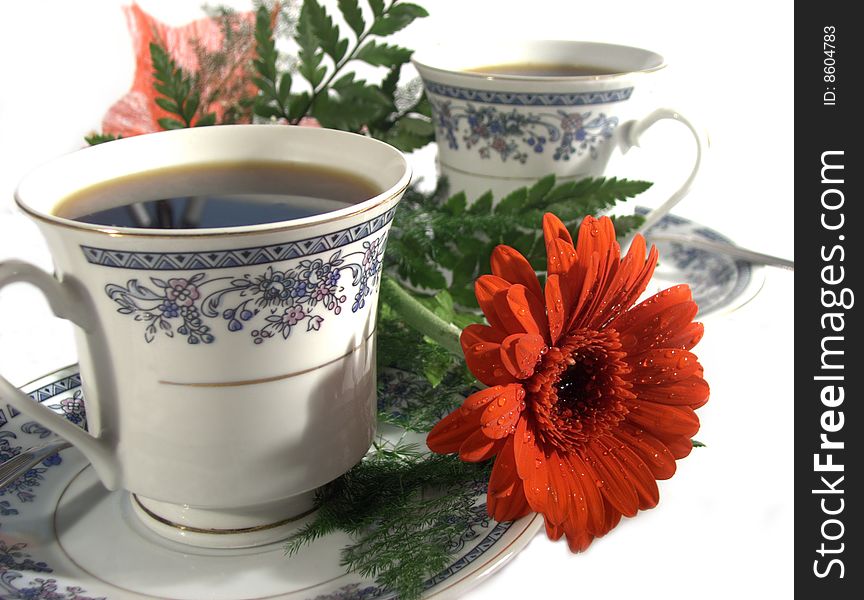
182 292
293 315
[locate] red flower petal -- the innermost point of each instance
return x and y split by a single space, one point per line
664 327
587 480
617 288
480 399
653 322
626 286
663 419
478 447
519 311
453 431
520 353
597 236
578 540
509 264
450 432
577 505
679 445
581 286
554 229
561 257
662 365
506 499
536 485
558 504
485 289
687 337
504 478
616 488
508 508
477 333
636 471
531 466
692 391
553 531
652 451
557 307
525 447
499 418
611 519
482 347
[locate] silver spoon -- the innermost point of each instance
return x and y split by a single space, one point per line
723 248
19 464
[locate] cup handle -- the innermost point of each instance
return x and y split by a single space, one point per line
66 305
631 131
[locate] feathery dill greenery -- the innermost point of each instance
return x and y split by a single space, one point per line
217 67
406 511
410 401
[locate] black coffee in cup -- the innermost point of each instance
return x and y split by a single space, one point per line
216 195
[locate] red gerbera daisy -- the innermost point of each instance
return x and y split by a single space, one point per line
590 401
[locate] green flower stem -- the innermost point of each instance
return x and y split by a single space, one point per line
421 318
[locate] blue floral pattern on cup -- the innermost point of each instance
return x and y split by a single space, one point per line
516 135
268 304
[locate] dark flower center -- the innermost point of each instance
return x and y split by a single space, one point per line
580 389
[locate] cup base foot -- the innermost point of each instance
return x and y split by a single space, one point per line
223 528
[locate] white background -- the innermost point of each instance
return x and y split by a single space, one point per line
724 524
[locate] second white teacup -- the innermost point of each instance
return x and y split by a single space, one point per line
509 113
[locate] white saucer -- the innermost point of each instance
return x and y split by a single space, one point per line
720 283
63 536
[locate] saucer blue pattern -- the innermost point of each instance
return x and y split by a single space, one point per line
719 283
45 554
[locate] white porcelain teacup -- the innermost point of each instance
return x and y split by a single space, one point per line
220 433
507 113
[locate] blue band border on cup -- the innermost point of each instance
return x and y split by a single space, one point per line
239 257
528 98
